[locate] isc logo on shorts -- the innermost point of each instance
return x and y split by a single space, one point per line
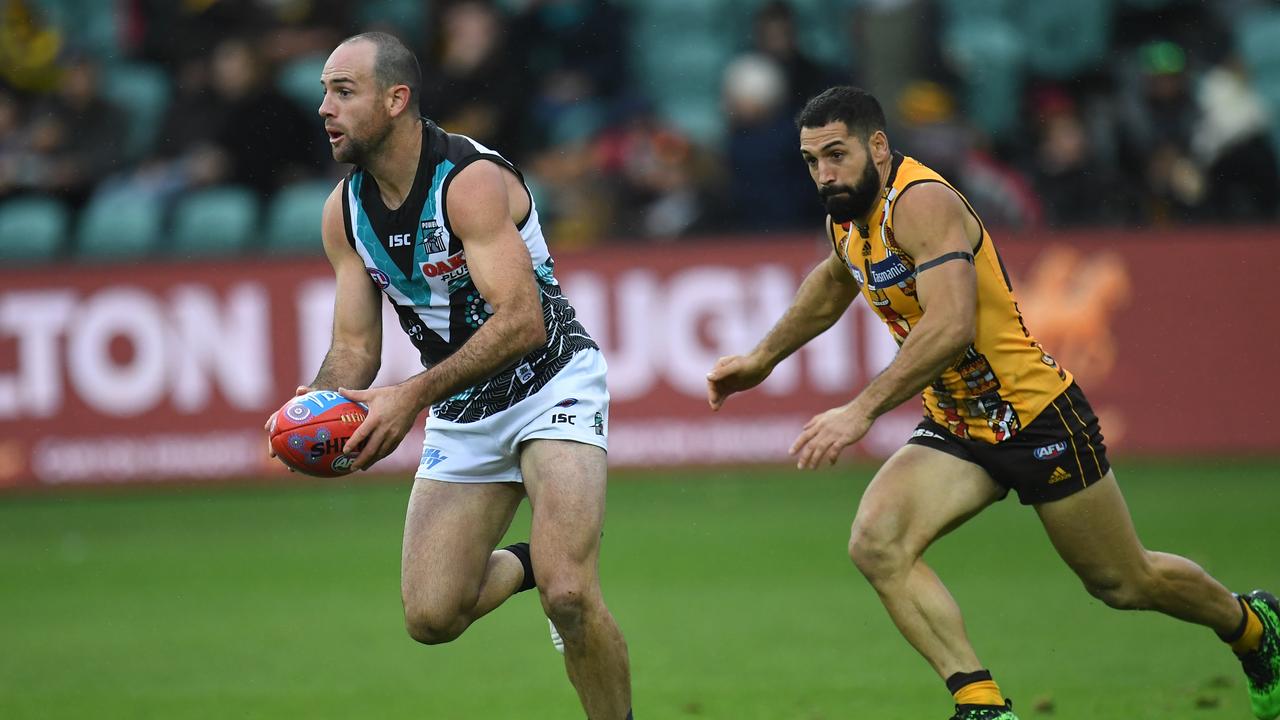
1048 452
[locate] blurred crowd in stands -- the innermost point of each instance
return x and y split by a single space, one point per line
659 119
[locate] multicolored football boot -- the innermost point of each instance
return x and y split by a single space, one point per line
985 712
1262 666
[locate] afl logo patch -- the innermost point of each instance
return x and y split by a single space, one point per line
379 278
1049 452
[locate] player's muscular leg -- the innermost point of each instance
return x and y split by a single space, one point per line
1094 534
919 495
449 573
566 486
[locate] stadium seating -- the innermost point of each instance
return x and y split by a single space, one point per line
1063 39
215 222
299 80
1258 37
814 22
956 12
119 226
142 93
406 16
680 51
990 54
293 218
92 26
32 228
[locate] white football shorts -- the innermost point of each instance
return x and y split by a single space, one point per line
573 405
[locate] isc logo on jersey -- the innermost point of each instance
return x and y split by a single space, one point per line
447 270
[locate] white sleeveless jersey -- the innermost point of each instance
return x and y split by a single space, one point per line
414 257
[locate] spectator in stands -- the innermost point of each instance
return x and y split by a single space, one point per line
575 51
28 48
184 156
1158 116
1231 143
661 180
896 42
75 136
266 140
933 132
576 201
774 35
1075 186
472 86
767 187
13 146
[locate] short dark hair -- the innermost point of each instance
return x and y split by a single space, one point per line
393 63
856 108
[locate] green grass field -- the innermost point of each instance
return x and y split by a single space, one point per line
733 588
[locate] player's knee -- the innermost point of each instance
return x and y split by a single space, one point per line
566 604
1120 590
875 553
433 628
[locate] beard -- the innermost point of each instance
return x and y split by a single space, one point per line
847 202
358 151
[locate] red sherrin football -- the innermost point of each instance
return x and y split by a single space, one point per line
310 432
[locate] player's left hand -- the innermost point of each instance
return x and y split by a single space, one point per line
392 411
826 435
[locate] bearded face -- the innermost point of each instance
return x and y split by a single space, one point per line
843 167
847 202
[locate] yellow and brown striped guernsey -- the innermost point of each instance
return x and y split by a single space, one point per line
1004 379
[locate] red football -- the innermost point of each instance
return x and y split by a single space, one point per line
310 433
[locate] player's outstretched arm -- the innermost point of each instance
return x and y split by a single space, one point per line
930 225
500 267
823 297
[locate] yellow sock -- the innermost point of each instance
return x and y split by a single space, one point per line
1252 637
982 692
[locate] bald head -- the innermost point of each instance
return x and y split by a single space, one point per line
393 64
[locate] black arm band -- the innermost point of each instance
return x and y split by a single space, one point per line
967 257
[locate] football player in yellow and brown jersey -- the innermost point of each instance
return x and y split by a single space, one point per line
1000 414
